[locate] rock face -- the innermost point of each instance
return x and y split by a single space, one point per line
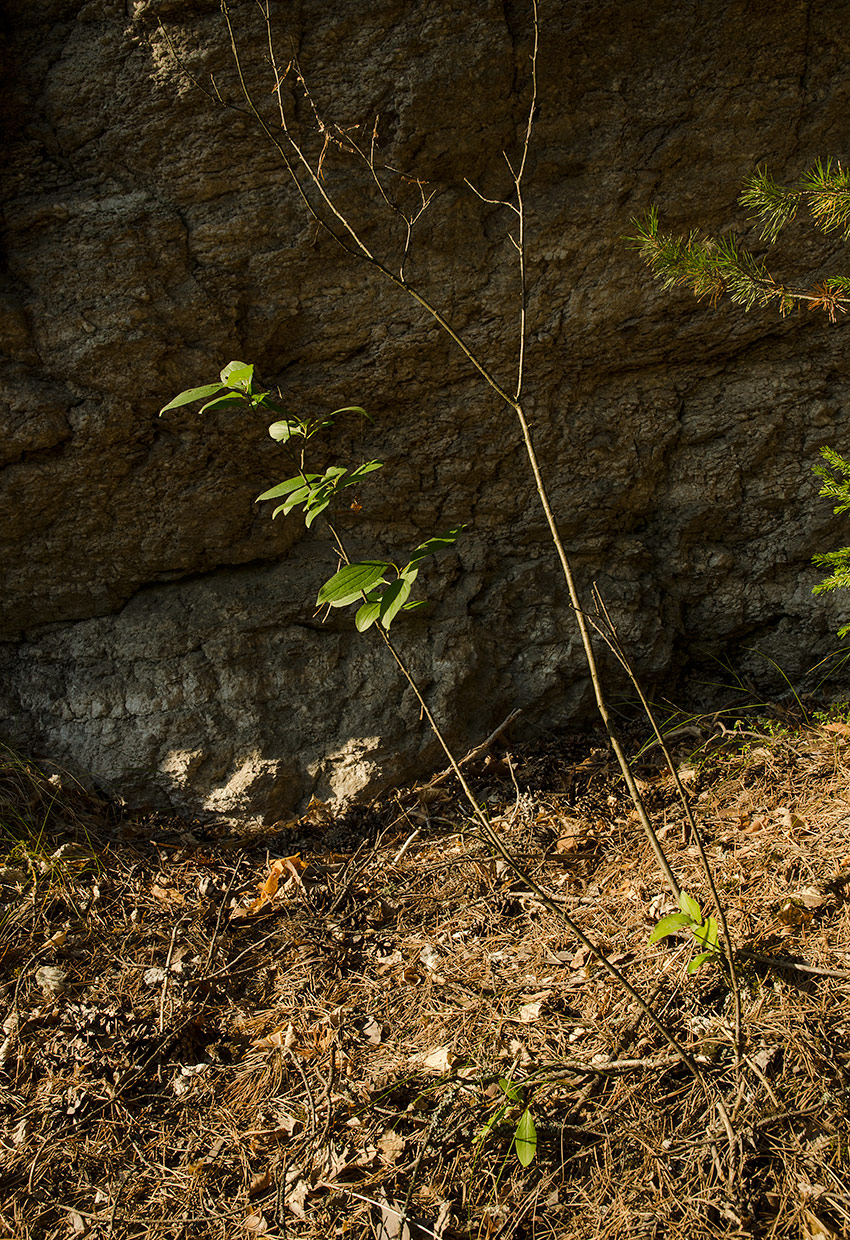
157 627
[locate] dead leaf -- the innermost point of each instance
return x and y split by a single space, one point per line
392 1145
281 1039
441 1059
429 957
51 979
256 1224
286 869
76 1223
840 729
530 1012
260 1183
371 1031
394 1225
812 897
167 895
815 1228
792 913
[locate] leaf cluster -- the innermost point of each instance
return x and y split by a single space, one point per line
381 587
704 930
525 1132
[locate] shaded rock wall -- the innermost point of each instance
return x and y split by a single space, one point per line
156 626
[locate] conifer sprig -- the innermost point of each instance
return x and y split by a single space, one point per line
824 187
712 267
708 266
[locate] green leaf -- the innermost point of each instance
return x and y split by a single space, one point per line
669 925
300 496
494 1119
700 960
238 374
394 598
352 409
352 581
313 510
186 398
706 935
439 543
228 401
283 488
689 905
514 1092
284 431
368 468
525 1139
366 616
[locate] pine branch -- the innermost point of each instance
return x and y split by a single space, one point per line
824 187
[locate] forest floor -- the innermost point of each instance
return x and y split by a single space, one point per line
364 1025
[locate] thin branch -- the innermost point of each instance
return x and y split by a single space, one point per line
609 632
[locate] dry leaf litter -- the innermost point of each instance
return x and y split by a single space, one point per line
301 1032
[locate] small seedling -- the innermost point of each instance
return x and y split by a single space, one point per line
525 1133
704 930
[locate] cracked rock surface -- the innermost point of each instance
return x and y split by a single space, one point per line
157 627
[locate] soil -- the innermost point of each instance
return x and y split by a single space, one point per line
366 1024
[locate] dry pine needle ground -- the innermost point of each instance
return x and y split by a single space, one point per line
302 1032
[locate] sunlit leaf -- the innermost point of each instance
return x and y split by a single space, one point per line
706 935
237 374
514 1092
669 925
282 432
368 468
689 905
353 409
366 616
525 1139
186 398
352 581
438 543
283 488
700 960
231 400
394 598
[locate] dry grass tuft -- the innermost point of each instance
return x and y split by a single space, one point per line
302 1034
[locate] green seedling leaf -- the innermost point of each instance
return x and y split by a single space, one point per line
295 499
284 431
283 488
366 616
514 1092
393 599
261 401
186 398
700 960
494 1119
238 374
669 925
706 935
689 905
351 582
228 401
525 1139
